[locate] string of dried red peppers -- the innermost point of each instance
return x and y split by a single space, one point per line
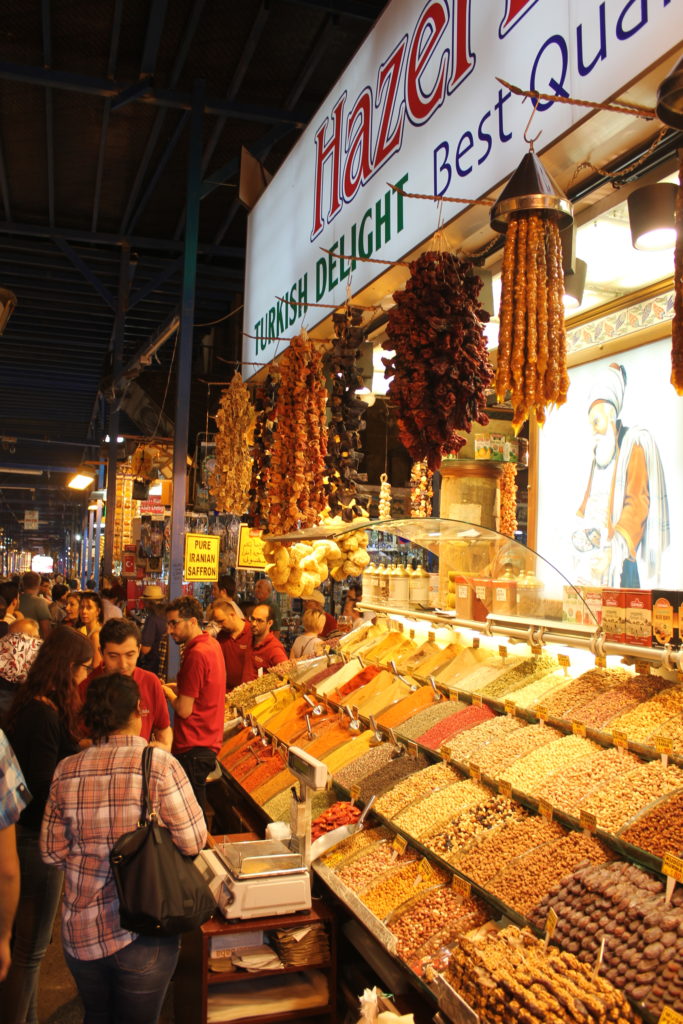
297 490
440 370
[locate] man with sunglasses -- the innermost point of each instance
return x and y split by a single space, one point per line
266 650
199 703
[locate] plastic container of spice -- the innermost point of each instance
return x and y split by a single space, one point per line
504 595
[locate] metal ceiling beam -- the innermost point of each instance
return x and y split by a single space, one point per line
105 88
156 282
155 26
105 238
111 65
4 186
351 8
87 273
49 117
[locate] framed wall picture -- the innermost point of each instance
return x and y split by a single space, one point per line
610 474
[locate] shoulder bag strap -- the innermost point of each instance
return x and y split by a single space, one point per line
147 812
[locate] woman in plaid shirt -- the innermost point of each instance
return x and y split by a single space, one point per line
95 797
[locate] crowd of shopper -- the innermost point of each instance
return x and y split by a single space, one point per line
82 691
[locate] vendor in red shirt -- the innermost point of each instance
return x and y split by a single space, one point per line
316 602
120 644
199 703
266 650
234 638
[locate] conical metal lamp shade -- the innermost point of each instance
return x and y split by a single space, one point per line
669 107
532 189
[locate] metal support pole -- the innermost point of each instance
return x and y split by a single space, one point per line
117 362
98 524
184 363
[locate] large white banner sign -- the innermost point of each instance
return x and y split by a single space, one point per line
420 107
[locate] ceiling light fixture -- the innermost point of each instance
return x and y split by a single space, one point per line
651 212
669 107
8 302
82 478
574 284
366 395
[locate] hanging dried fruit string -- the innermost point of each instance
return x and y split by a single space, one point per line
440 368
677 325
508 500
261 449
229 481
421 492
297 492
384 505
344 452
532 345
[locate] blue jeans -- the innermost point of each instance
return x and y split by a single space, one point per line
127 987
41 886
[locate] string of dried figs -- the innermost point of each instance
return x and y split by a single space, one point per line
421 491
261 449
230 479
508 499
677 325
440 369
532 343
297 492
344 448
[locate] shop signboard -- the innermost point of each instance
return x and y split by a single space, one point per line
30 519
419 106
202 558
610 489
250 549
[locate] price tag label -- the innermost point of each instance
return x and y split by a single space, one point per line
426 870
505 789
664 745
620 739
579 729
564 660
503 651
669 1016
588 821
475 643
412 749
510 707
672 866
475 772
536 648
600 661
545 809
461 885
477 700
399 844
551 923
643 668
355 793
542 713
399 626
443 752
411 634
431 636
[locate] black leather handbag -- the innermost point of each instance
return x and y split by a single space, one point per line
160 890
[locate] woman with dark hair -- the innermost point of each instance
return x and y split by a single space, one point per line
91 617
95 798
73 610
42 726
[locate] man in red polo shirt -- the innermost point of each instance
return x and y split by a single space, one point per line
120 644
266 650
234 638
199 703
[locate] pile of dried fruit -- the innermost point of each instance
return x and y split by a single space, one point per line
261 449
338 814
421 492
229 482
508 500
677 323
297 493
532 342
344 450
440 369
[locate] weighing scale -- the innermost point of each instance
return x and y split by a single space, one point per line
312 776
262 878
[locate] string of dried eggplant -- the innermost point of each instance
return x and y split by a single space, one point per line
440 368
344 449
229 482
297 492
677 325
261 449
532 342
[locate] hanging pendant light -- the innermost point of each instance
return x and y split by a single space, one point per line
530 190
574 284
651 214
669 107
